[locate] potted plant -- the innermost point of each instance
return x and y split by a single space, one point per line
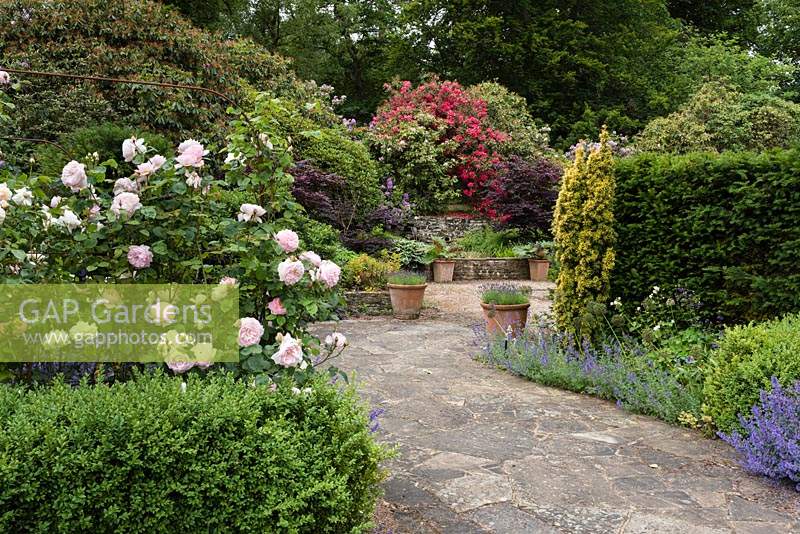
443 265
538 263
406 291
505 308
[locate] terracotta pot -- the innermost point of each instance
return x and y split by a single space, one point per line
406 300
443 270
499 317
538 269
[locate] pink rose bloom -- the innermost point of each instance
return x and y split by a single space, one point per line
74 176
157 161
290 272
251 213
329 273
94 211
190 154
140 256
288 240
312 257
55 201
290 353
180 367
125 185
125 202
336 339
228 281
250 331
275 307
143 170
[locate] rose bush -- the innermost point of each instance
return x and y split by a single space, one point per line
168 221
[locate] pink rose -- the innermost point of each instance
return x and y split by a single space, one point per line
140 256
125 185
288 240
290 353
74 176
190 154
251 213
180 367
143 170
290 272
250 331
275 307
125 202
228 281
311 257
157 161
329 273
336 339
55 201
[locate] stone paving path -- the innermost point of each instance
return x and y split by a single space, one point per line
483 451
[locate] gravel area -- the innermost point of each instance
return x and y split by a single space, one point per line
459 302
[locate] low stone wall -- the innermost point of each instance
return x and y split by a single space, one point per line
367 303
489 269
425 228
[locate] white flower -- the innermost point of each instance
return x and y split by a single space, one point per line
143 170
5 79
157 162
55 201
5 195
125 202
2 215
264 138
131 147
656 289
617 302
73 175
656 328
193 180
69 220
23 197
231 157
251 213
125 185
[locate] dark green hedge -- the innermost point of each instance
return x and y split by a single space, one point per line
222 457
724 225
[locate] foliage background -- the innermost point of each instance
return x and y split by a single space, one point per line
724 226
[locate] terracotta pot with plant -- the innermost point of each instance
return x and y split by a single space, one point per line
406 291
443 265
538 263
505 308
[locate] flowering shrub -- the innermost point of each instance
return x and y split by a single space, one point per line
619 370
165 222
434 136
770 443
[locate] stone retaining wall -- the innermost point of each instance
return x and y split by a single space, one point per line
425 228
489 269
367 303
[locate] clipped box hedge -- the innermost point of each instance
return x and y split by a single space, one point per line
726 226
220 457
